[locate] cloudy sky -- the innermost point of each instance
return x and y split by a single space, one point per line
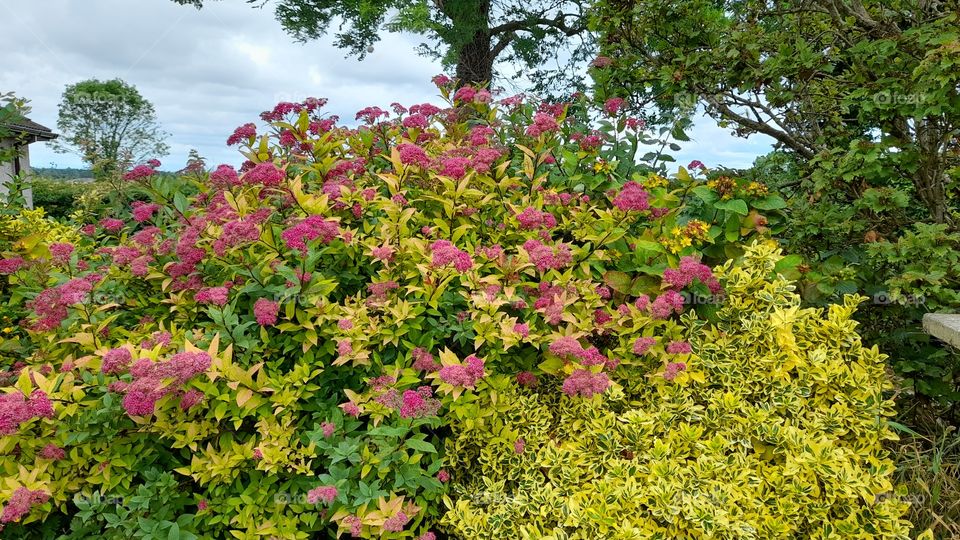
208 71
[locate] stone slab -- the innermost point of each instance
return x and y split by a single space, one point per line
945 327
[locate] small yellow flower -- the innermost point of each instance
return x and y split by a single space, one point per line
7 330
655 181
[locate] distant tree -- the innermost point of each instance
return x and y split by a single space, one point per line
12 109
109 124
468 34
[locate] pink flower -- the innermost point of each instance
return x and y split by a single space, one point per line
427 536
411 154
11 265
266 312
344 347
613 106
417 121
327 429
52 452
257 454
325 494
419 403
424 361
20 503
383 253
265 174
525 378
631 197
224 176
309 229
690 269
190 399
545 257
532 218
115 361
350 408
202 505
143 211
441 81
345 324
111 224
396 523
696 164
16 409
139 172
519 446
522 328
443 476
673 369
679 347
154 380
585 383
60 252
445 253
466 374
216 296
542 123
242 134
454 166
642 345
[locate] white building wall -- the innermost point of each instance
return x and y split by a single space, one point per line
7 171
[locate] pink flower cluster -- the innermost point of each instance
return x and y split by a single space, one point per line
419 403
396 523
139 172
642 345
327 429
613 105
52 452
242 134
266 311
411 154
311 228
20 503
325 494
116 361
51 305
11 265
673 369
679 347
264 174
216 296
585 383
143 211
16 408
466 374
526 378
112 225
224 177
632 197
423 360
531 218
665 305
444 253
542 123
569 348
691 269
154 380
545 257
60 252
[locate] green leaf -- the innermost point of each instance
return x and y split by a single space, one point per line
770 202
705 194
738 206
618 281
421 446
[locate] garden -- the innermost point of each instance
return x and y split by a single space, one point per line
501 316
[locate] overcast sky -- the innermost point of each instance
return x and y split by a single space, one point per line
208 71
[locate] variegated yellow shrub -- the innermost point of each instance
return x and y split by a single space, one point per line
773 430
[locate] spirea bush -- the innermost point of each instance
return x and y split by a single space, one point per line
316 344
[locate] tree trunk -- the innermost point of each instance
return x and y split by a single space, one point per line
475 60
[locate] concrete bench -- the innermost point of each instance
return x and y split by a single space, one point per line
943 326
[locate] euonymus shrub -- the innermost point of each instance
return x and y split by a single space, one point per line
324 341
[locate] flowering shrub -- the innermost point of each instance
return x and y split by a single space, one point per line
770 424
280 350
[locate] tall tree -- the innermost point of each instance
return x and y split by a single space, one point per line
109 124
864 91
468 34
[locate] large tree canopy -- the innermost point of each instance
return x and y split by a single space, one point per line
109 124
866 91
545 37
